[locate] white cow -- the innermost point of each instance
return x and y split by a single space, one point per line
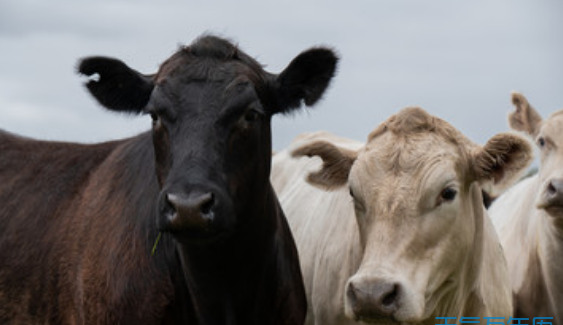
529 219
394 230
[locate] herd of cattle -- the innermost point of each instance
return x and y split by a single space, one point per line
195 222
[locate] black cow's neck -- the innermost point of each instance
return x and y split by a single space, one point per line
226 279
252 277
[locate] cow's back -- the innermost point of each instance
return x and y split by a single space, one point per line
324 229
69 250
38 182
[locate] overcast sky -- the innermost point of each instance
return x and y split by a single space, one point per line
459 60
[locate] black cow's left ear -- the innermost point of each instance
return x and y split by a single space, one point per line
117 87
305 79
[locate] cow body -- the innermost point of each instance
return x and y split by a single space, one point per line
394 230
78 222
529 220
328 242
63 260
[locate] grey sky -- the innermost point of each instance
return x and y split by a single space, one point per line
459 60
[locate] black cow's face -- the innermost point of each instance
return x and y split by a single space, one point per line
212 144
211 107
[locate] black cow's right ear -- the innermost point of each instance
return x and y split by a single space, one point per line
117 87
305 79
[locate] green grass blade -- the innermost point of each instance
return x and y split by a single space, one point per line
155 243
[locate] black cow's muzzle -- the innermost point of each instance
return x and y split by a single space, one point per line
194 214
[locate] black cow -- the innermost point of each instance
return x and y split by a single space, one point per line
78 222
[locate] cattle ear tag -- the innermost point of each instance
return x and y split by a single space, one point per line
92 78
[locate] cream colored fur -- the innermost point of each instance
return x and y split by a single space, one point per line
448 256
532 237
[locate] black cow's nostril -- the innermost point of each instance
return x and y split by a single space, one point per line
168 206
207 204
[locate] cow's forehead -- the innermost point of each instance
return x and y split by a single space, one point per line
412 149
397 176
414 121
209 59
413 136
186 80
416 153
552 127
192 69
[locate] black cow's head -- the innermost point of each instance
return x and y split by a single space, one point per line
211 106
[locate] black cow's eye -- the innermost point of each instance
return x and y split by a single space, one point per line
448 194
251 115
155 120
541 142
351 193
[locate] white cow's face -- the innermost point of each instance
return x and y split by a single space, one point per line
416 191
548 137
550 142
413 210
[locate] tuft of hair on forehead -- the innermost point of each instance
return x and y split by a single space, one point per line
211 46
207 47
413 120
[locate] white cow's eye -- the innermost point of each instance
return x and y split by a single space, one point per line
448 194
541 142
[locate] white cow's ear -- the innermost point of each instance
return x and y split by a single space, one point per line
525 118
502 160
337 163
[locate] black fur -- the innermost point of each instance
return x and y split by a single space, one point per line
119 87
78 222
306 78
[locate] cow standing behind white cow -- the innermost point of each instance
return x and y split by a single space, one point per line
529 219
395 230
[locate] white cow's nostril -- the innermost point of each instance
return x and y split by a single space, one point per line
551 189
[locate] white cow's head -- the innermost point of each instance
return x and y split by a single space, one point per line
416 188
548 135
